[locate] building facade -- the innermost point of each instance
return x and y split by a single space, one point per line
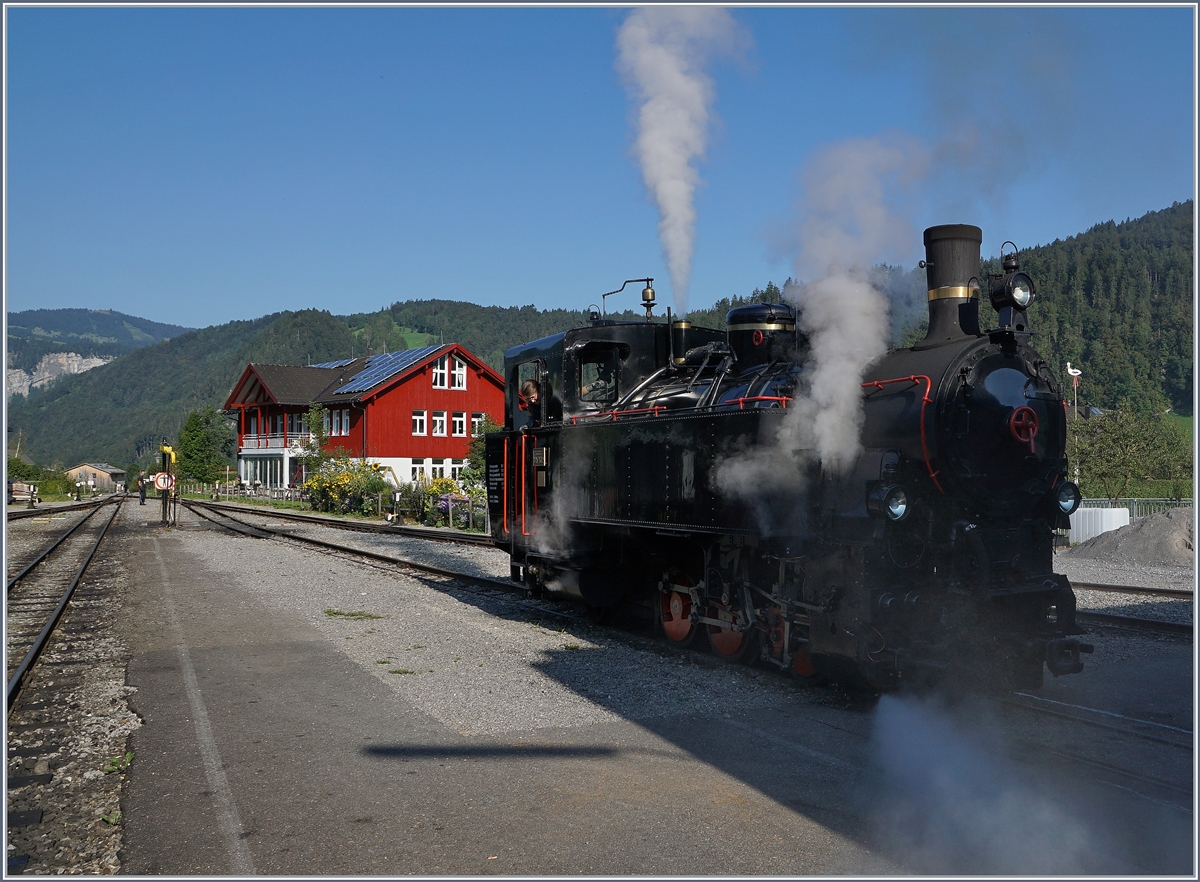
412 412
103 477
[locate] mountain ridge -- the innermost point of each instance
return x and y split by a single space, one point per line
1115 300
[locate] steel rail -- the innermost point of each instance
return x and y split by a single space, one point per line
21 514
1100 724
485 581
1134 589
61 539
1177 629
435 534
18 677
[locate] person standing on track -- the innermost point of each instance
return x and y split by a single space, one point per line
141 488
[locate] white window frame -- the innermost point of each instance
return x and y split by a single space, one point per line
458 374
326 423
337 423
438 424
456 467
438 468
418 468
458 424
476 423
440 379
346 421
420 423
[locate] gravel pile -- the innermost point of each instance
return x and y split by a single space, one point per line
1161 540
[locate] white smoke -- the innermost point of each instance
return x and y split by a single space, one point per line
849 218
662 52
944 800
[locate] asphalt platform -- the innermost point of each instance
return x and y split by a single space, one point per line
266 749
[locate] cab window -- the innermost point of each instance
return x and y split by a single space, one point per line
526 403
598 377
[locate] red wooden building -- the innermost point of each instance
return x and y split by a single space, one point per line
411 411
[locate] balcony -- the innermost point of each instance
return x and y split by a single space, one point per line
271 442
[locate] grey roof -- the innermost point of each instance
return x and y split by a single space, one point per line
383 367
100 467
299 384
331 382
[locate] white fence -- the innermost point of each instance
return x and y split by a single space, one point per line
1138 508
1096 516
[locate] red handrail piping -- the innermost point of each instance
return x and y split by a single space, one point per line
741 402
523 494
925 399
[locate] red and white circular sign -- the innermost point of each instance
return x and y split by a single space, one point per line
163 481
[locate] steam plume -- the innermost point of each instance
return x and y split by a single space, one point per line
945 801
848 219
661 53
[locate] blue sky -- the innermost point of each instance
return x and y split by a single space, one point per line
200 165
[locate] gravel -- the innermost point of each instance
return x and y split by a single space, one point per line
74 718
482 662
1101 572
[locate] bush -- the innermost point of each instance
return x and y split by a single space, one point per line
50 482
346 485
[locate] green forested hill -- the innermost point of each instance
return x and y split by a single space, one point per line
88 332
118 411
1115 301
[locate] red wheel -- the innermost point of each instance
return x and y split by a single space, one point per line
731 645
675 608
1023 426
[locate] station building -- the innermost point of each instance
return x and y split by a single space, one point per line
412 412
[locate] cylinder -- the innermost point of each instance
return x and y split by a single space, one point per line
952 274
681 337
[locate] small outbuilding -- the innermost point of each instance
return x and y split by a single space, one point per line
105 478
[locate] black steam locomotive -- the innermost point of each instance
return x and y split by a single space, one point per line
931 554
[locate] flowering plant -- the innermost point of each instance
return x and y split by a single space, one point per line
345 485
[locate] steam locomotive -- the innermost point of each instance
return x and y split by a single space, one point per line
929 554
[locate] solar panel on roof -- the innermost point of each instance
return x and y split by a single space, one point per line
384 366
333 364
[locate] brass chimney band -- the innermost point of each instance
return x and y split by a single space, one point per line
954 292
763 327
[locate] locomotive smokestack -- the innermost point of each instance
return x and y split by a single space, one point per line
952 273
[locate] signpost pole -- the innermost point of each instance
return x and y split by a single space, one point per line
166 494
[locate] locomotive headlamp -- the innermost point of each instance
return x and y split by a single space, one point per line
1068 497
1012 289
889 501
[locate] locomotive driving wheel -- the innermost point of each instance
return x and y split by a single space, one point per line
728 643
675 610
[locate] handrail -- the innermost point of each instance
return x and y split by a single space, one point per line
916 378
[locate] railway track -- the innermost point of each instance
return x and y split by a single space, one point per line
436 534
1134 589
1175 629
36 599
21 514
262 532
1136 623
